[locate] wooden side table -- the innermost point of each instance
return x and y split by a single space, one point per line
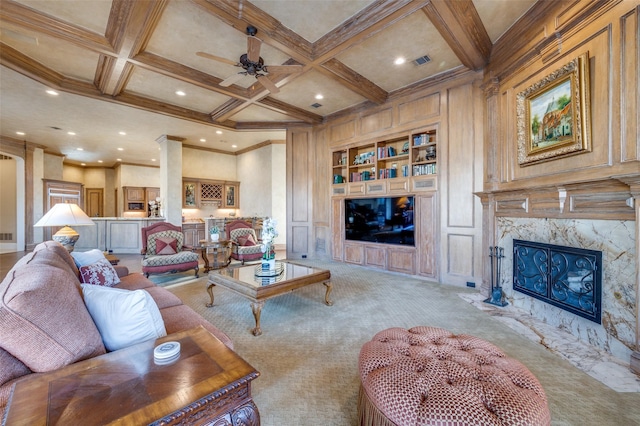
208 384
220 251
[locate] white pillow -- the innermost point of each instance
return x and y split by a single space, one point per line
87 257
123 317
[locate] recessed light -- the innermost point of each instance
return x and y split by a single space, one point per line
400 61
153 159
234 146
118 159
319 96
52 92
123 133
83 164
20 133
120 149
203 140
100 161
71 133
180 93
218 132
79 149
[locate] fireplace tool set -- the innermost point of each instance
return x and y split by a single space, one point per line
496 254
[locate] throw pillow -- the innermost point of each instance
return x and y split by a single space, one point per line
123 317
166 245
246 240
86 257
99 273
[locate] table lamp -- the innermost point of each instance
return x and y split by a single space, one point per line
66 215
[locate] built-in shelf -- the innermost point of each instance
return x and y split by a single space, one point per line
405 159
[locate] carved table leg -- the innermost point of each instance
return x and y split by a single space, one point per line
256 307
206 259
326 296
210 291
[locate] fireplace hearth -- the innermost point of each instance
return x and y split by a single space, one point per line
567 277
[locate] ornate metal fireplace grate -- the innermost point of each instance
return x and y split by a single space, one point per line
567 277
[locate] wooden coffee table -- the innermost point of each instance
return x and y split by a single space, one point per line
208 384
257 289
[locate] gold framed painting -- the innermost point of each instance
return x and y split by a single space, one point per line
553 115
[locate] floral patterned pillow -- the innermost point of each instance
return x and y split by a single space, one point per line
99 273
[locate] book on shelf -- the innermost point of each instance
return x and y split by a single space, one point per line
424 169
388 173
387 151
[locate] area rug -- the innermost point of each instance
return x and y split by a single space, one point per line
307 355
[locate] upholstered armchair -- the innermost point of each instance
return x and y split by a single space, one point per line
163 250
244 243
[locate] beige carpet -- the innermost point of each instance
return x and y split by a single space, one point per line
307 355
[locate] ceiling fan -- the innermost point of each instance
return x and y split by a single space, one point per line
252 64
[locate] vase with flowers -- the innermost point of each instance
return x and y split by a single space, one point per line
269 233
214 233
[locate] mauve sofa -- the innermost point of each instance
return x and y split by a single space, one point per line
44 324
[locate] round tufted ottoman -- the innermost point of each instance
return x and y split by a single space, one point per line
429 376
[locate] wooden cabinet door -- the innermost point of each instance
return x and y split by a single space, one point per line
231 196
134 194
190 195
94 202
152 194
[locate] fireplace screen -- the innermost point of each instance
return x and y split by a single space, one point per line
567 277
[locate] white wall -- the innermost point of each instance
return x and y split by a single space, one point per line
263 185
8 194
71 173
53 168
200 164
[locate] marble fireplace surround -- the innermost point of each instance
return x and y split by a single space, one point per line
616 239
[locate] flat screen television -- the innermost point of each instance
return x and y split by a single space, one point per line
387 220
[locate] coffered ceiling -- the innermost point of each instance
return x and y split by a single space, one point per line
117 65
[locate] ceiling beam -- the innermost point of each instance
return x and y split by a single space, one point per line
354 81
169 68
270 30
31 19
294 112
459 24
129 29
371 20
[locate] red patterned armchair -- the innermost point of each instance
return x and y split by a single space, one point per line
245 244
163 250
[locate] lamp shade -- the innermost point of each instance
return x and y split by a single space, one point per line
65 214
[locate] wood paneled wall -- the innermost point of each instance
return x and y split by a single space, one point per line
449 231
601 183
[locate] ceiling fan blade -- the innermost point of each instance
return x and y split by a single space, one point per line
234 78
268 84
253 48
283 69
216 58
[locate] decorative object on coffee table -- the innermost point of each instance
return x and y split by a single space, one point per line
269 233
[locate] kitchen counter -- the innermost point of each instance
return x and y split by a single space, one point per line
114 234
